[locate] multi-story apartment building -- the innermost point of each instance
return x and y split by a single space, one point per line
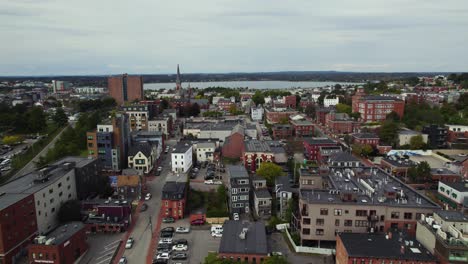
125 88
139 115
330 101
360 200
174 196
181 157
457 136
256 113
454 194
283 193
375 108
205 151
18 225
262 199
303 128
444 235
238 189
282 131
276 115
162 124
436 136
255 153
366 139
312 146
340 123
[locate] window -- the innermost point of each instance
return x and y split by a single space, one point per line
51 190
360 223
60 194
68 187
408 215
306 231
234 198
324 211
418 216
395 215
320 222
51 200
306 221
319 232
60 184
338 212
337 222
361 212
348 222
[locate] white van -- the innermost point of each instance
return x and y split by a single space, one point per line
217 229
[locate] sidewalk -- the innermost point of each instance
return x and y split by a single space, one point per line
128 234
155 238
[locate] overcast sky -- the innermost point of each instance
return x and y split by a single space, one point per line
44 37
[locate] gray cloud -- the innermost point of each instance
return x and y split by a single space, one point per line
152 36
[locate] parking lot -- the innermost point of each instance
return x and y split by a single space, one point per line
101 248
198 182
200 241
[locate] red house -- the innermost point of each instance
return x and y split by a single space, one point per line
281 131
65 245
234 144
366 139
303 128
312 146
174 195
255 153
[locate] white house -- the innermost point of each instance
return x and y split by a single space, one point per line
181 157
142 156
205 151
330 101
453 192
257 113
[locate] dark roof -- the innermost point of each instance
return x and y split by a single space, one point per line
199 101
343 156
318 141
380 98
452 216
365 135
143 146
173 190
459 186
262 193
237 171
255 145
9 199
442 171
377 246
65 232
255 239
286 185
182 147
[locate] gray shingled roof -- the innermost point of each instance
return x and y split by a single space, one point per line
255 239
255 145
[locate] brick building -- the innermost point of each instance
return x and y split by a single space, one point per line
303 128
18 225
243 241
366 139
125 88
282 131
64 245
174 195
321 115
108 216
436 136
312 146
234 145
375 108
340 123
380 248
255 153
457 136
276 115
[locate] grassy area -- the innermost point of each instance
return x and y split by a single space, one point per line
214 202
19 161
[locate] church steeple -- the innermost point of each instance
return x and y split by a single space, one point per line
178 82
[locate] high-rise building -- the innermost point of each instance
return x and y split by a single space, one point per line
124 88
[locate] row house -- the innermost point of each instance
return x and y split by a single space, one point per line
375 108
162 124
255 153
262 199
174 199
238 189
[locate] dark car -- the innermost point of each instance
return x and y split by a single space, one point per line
168 219
166 234
197 222
204 164
165 245
179 256
160 261
144 207
209 177
168 229
157 173
181 242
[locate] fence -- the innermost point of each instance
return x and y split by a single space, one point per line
216 220
311 250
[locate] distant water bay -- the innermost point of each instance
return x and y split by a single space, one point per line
245 84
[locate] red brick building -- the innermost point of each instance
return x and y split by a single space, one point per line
281 131
274 115
321 115
444 175
367 248
303 128
18 225
366 139
312 146
375 108
174 196
65 245
234 144
255 153
457 136
340 123
125 88
305 103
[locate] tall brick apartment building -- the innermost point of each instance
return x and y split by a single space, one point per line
125 88
374 108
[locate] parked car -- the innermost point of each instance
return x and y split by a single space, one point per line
215 234
179 256
157 173
129 243
181 229
165 241
217 182
197 222
164 246
166 234
123 260
180 247
160 261
181 241
162 256
148 196
168 229
167 250
144 207
216 229
209 177
235 216
209 182
169 219
159 168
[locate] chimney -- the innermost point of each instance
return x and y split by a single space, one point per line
402 249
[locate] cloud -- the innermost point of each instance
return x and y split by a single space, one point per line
152 36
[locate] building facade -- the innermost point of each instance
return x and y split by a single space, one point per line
312 146
375 108
174 195
366 139
238 189
125 88
436 136
303 128
181 157
255 153
205 151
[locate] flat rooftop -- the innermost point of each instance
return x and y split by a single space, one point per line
255 145
369 188
399 162
64 232
452 216
255 238
237 171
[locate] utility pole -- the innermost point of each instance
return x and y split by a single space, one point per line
150 223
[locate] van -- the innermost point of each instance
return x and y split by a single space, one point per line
217 229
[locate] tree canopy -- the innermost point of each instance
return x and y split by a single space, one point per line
269 171
60 118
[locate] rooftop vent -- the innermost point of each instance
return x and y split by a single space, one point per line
243 233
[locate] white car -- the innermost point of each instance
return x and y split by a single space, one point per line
235 216
159 168
181 229
148 196
209 182
218 182
123 260
216 234
180 247
162 256
165 241
129 243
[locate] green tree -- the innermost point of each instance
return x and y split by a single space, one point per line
355 115
417 142
275 260
69 211
269 171
36 119
342 108
258 98
310 111
12 140
60 118
284 120
388 132
420 173
393 116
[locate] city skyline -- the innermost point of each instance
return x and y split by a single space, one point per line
50 37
